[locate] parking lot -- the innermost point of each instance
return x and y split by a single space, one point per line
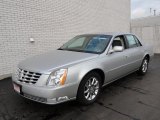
131 98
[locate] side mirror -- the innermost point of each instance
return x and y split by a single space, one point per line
116 49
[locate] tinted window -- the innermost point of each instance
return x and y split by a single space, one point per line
138 42
131 41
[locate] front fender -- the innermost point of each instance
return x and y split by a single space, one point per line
78 71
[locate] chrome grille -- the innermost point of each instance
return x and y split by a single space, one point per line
27 76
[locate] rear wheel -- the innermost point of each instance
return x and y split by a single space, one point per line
144 67
89 88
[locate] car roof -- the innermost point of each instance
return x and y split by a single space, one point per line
108 33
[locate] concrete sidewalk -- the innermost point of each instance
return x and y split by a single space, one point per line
131 98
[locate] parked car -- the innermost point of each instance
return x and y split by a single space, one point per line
80 68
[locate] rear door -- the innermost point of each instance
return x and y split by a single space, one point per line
134 53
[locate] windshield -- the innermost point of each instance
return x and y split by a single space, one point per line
87 43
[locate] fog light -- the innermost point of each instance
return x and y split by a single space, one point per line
64 98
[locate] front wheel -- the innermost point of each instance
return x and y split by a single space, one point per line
144 67
89 88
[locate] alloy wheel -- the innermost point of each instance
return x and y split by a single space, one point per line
91 88
145 65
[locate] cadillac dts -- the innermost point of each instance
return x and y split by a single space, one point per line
81 67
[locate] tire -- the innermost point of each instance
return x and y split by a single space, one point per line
144 67
89 88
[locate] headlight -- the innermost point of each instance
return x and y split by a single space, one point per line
57 78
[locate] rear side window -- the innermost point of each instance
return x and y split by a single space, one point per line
138 42
132 42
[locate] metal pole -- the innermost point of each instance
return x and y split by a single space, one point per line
154 12
150 11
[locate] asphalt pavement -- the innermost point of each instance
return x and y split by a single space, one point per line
130 98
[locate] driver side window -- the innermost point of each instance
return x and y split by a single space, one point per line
118 41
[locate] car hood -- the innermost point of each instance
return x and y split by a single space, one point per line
46 63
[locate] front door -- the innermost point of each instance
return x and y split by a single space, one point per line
116 62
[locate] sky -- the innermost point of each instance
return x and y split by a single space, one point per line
141 8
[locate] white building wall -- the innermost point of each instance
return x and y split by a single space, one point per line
148 29
51 23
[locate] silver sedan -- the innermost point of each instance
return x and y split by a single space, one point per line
81 67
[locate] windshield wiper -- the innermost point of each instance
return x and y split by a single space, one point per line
78 50
71 50
60 49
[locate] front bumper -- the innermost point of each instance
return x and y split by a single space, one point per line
47 95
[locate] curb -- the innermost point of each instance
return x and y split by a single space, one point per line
2 77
